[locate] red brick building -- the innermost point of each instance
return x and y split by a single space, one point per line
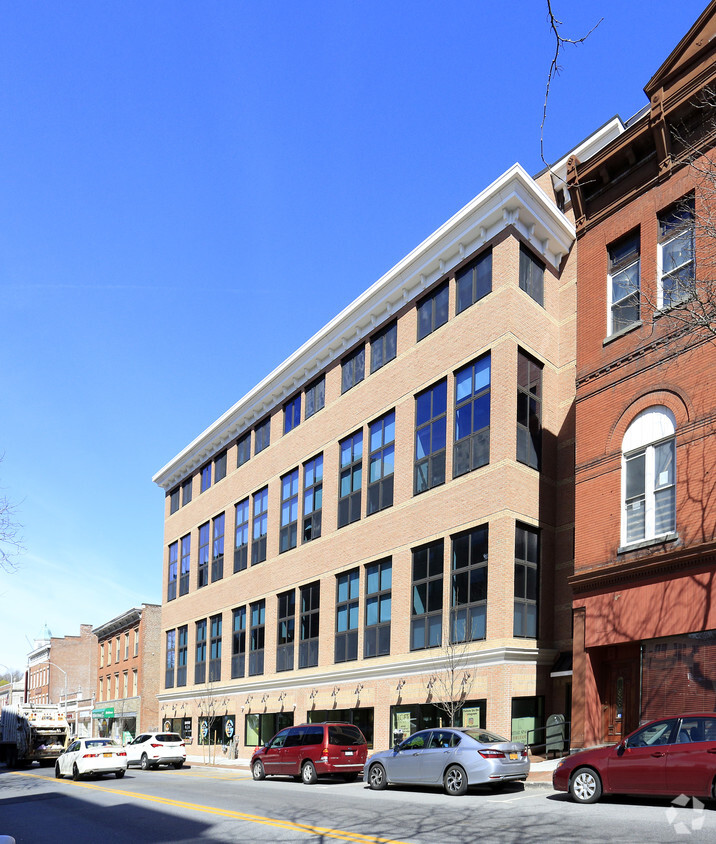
645 520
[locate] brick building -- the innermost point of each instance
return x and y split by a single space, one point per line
645 608
127 659
404 480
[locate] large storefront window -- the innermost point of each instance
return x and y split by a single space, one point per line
262 727
409 719
217 729
110 723
362 718
182 726
527 719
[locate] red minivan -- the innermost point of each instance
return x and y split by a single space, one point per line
311 750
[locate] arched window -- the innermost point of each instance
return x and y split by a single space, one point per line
649 476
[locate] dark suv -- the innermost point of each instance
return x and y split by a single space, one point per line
311 750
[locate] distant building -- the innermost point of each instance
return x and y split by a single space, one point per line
128 664
644 587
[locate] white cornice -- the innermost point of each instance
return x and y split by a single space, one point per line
362 672
586 149
513 199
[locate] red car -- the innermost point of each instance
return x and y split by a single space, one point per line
668 757
309 750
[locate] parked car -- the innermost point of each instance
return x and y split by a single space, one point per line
87 756
311 750
150 750
455 758
668 757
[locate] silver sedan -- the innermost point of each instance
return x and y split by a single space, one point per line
455 758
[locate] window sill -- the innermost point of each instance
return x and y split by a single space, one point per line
648 543
622 332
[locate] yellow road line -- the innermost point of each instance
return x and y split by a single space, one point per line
309 829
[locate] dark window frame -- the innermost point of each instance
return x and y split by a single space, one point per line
218 526
262 436
471 450
200 652
353 369
381 463
182 654
257 637
170 659
309 624
259 526
238 642
220 467
529 410
473 281
312 498
430 425
531 273
285 630
241 534
172 570
433 310
186 492
288 530
346 640
205 475
468 584
202 571
526 586
292 414
315 394
243 449
624 257
378 604
185 564
216 635
173 501
350 477
384 346
428 572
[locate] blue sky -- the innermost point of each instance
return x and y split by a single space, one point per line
188 191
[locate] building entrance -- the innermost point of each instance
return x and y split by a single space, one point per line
620 701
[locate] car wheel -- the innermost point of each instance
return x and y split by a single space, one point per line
144 762
308 773
58 775
257 771
75 772
455 781
119 774
376 777
178 765
585 786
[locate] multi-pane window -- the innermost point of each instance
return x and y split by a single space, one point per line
118 650
136 641
292 414
347 595
352 369
219 467
186 490
472 417
174 500
312 498
215 649
260 526
309 625
649 476
125 683
256 638
134 682
350 479
101 688
182 654
205 478
427 603
126 645
469 585
529 410
172 576
286 632
676 253
238 643
531 275
526 581
383 346
315 396
243 449
203 566
200 652
241 542
433 310
263 436
474 281
217 548
171 657
430 435
378 583
185 564
289 511
381 463
624 283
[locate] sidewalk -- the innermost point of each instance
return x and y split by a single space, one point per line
540 774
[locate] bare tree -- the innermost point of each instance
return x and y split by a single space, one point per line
450 684
554 69
209 705
10 543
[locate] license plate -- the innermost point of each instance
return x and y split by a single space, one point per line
349 752
514 756
107 755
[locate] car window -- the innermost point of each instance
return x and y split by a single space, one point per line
279 739
140 739
696 729
415 742
345 735
168 737
98 742
295 737
484 736
313 735
443 739
74 746
653 735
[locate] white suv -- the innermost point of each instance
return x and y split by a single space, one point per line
150 750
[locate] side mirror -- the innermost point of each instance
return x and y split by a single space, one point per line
621 747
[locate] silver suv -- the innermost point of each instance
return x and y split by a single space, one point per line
150 750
